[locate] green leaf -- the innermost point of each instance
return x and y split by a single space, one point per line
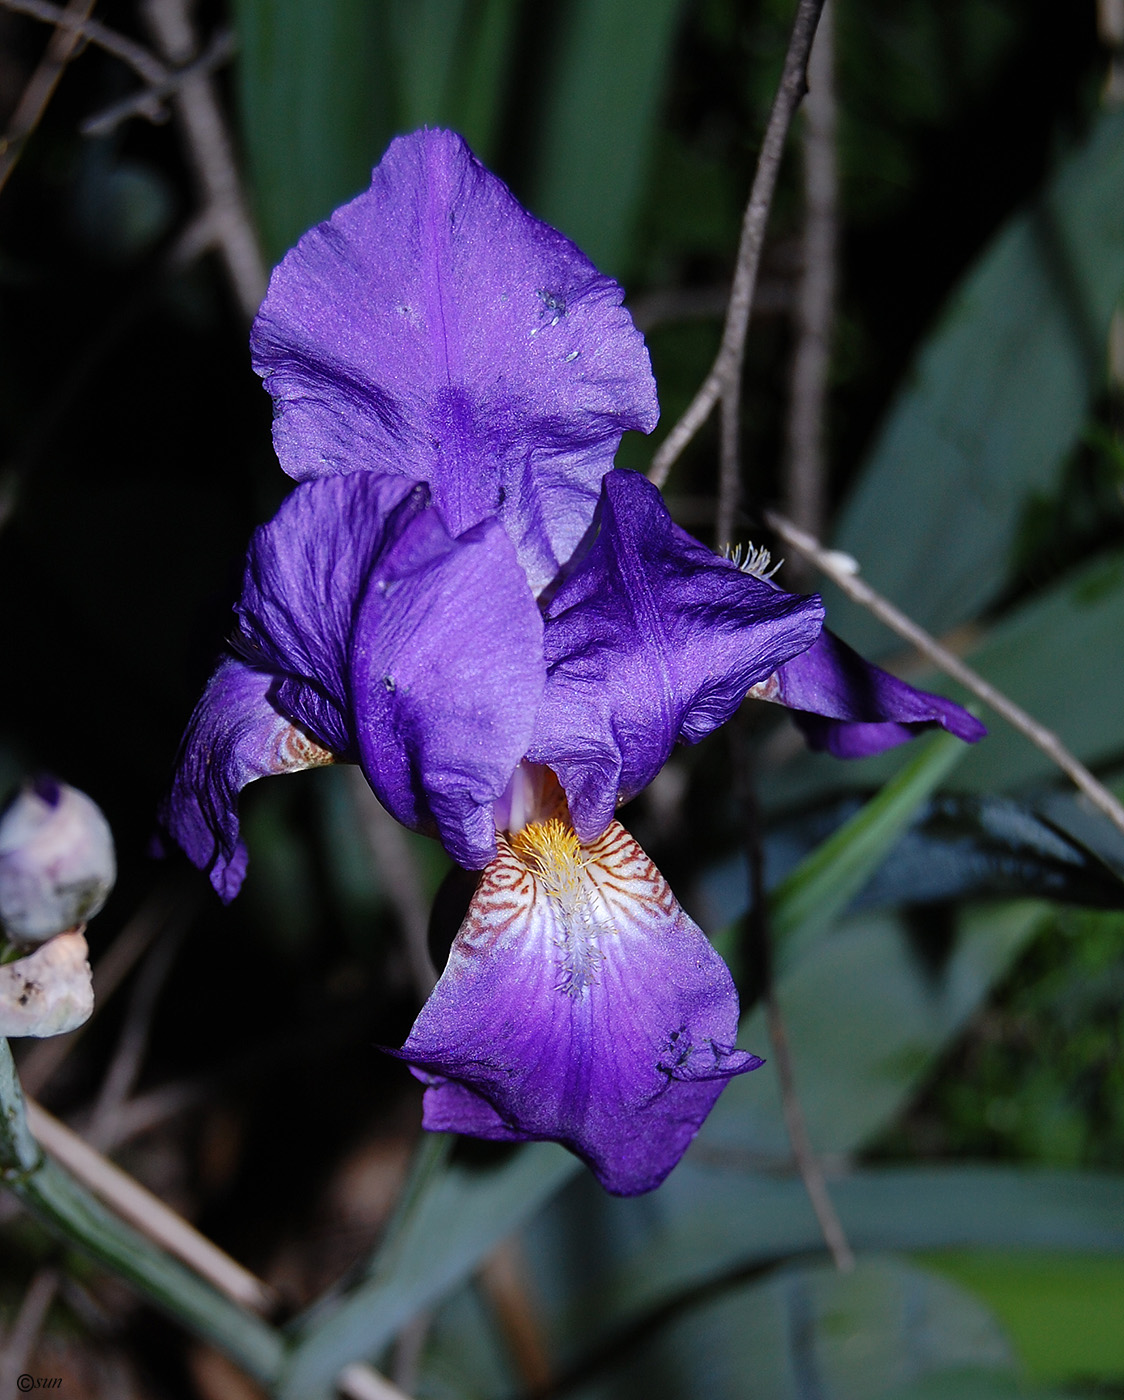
451 65
972 1384
811 1331
424 35
75 1217
323 87
997 399
959 846
315 108
1064 1313
866 1017
446 1230
969 847
809 899
606 77
706 1222
482 71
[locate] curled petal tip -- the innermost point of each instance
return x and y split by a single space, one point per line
850 708
234 737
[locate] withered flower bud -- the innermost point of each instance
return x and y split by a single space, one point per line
57 864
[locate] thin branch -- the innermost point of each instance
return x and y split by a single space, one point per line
41 88
211 152
808 1164
815 295
727 366
9 488
149 102
729 465
152 1109
1110 28
147 1212
398 872
760 950
843 571
504 1278
140 59
666 306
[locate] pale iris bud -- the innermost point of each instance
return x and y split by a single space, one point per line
57 865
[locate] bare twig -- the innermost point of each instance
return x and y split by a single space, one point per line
811 1172
124 1069
361 1382
505 1281
8 491
211 153
18 1345
144 1112
815 295
40 89
1110 27
400 877
170 907
760 950
843 571
149 102
140 59
726 370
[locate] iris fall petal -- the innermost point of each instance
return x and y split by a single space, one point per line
579 1004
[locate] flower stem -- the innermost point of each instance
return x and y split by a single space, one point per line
75 1216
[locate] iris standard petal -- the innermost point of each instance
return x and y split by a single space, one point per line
652 639
852 709
432 327
446 673
234 736
579 1004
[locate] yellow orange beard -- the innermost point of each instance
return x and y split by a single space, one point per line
554 855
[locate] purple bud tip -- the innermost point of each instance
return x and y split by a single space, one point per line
46 787
57 863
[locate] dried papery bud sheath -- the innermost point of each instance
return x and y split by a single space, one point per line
50 991
57 864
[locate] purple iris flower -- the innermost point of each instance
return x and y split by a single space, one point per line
509 636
